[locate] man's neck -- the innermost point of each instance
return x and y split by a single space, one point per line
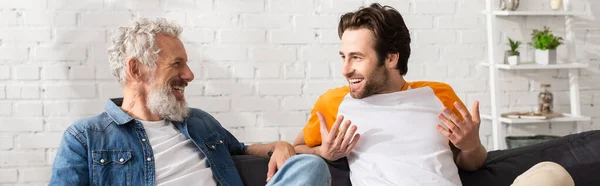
395 83
135 106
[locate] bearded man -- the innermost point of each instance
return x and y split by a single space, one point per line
151 137
411 132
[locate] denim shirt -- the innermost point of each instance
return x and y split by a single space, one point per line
112 148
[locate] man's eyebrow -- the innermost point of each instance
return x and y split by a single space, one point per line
356 54
353 53
178 59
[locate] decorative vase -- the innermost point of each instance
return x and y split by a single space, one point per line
555 4
514 60
511 5
545 57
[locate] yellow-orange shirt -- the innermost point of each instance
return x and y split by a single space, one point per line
329 102
399 143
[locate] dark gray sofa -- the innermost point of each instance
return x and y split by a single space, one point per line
578 153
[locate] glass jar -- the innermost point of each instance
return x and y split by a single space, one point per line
545 100
555 4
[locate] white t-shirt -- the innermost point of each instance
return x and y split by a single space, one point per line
399 144
177 159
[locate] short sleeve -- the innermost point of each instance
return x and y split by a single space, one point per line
327 105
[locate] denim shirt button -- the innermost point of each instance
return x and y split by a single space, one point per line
101 160
221 141
144 139
213 147
148 159
121 160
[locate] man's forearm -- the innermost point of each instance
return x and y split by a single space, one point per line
471 160
261 150
304 149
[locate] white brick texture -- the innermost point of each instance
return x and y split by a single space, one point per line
259 65
8 175
6 141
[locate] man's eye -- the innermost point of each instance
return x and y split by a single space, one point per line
356 58
176 64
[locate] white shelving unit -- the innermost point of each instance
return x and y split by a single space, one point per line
494 64
533 13
567 118
532 66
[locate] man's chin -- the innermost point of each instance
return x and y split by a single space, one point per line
357 94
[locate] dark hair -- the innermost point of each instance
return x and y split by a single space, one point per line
389 30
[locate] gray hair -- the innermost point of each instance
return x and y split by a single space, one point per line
138 40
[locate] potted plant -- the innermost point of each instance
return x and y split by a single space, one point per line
513 54
545 44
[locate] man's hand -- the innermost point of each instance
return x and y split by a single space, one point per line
464 134
336 143
281 152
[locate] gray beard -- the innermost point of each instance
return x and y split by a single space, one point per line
164 103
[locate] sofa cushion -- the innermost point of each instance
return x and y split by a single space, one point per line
578 153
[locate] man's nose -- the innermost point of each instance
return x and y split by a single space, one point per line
187 74
347 68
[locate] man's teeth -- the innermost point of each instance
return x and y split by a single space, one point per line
178 88
355 80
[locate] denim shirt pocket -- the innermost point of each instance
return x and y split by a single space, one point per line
215 145
111 167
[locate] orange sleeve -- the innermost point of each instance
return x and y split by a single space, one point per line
327 104
445 93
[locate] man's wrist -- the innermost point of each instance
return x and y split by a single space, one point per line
475 149
315 150
272 149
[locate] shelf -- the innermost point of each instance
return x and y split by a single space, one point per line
534 13
566 118
533 66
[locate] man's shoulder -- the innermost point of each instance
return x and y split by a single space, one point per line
97 122
197 113
439 88
432 84
200 121
336 92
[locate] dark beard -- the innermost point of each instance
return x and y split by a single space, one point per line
374 84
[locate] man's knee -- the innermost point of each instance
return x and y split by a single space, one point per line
548 165
545 173
309 160
550 168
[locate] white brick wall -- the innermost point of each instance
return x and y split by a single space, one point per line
259 64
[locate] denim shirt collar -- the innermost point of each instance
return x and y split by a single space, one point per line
113 109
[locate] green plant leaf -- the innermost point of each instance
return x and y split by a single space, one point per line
514 45
544 39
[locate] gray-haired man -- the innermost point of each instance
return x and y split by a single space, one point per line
151 137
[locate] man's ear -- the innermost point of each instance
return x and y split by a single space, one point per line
134 70
391 60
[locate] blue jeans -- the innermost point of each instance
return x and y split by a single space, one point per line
302 169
